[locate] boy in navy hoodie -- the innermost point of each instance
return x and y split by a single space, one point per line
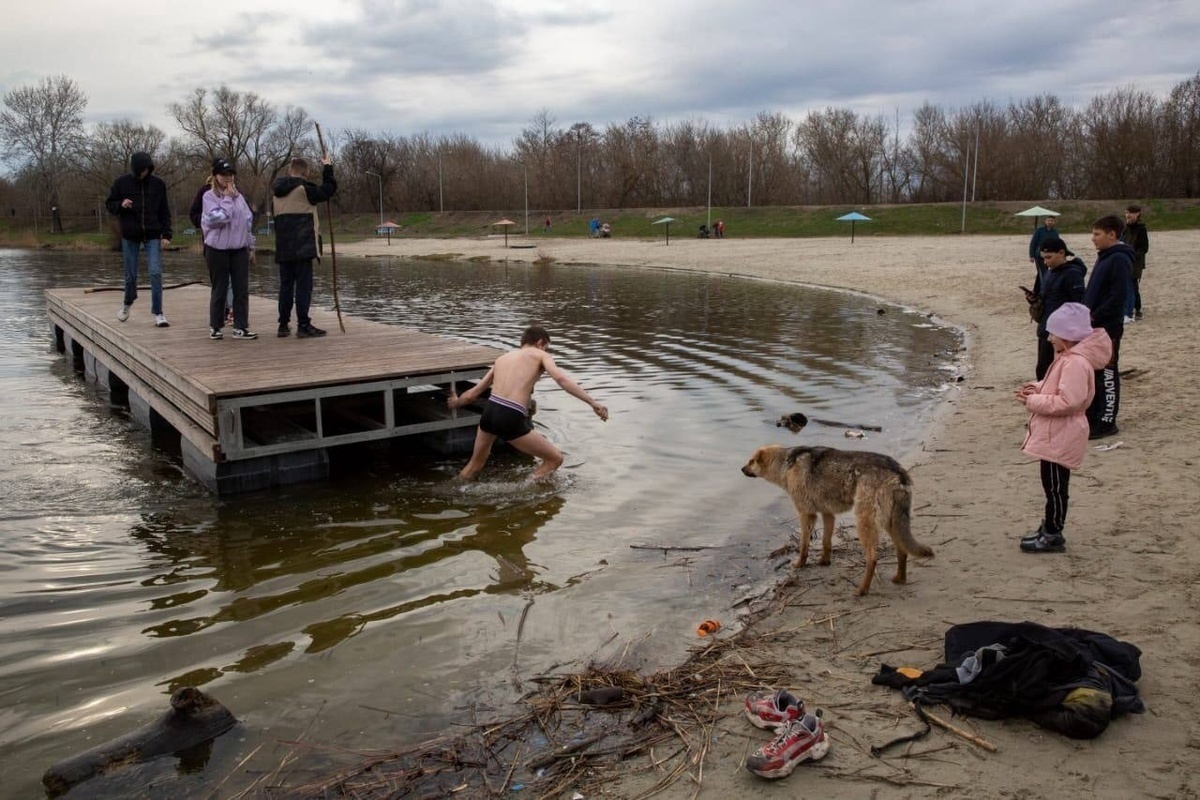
1105 296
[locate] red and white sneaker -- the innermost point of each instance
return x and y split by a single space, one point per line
800 741
772 709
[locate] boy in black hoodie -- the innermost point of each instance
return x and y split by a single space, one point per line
1105 296
139 201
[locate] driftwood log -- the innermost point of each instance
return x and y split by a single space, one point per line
194 718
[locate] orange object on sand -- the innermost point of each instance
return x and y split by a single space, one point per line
707 627
910 672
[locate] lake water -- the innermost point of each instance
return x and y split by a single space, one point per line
385 603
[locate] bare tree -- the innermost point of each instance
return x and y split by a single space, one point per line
1182 138
109 149
1121 128
246 128
42 134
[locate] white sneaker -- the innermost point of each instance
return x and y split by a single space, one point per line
1128 320
160 321
123 314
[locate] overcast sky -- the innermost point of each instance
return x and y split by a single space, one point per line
486 68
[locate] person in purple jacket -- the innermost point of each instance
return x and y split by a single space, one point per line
228 250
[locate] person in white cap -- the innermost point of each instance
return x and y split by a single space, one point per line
1058 425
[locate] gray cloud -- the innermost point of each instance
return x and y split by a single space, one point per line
486 67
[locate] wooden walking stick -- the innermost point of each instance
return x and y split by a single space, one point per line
978 741
337 304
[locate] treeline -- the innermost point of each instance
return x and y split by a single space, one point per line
1125 143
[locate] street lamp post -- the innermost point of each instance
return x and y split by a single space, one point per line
750 176
526 167
379 178
710 191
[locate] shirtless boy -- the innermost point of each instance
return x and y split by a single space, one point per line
505 414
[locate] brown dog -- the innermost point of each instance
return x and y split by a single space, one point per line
827 481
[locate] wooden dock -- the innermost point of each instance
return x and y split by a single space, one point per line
256 413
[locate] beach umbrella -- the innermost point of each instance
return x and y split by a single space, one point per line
1035 212
506 222
665 221
852 218
387 228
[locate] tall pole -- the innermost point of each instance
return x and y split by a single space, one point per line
526 166
441 196
975 176
578 173
379 178
750 175
709 224
966 174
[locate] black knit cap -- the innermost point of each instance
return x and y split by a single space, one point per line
1053 244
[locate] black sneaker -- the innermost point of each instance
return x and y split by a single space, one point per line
1046 543
1138 315
305 331
284 331
214 333
1103 429
244 333
1029 537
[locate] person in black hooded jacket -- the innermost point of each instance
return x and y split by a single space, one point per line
1062 283
139 201
1105 296
297 232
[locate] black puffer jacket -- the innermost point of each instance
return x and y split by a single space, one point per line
1062 285
150 215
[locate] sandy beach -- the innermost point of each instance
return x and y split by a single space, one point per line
1132 568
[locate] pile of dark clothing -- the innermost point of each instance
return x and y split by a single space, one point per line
1069 680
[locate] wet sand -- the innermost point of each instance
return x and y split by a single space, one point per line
1132 568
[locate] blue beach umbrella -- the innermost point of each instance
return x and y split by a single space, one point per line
667 222
852 218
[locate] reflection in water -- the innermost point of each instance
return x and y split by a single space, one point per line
393 585
245 575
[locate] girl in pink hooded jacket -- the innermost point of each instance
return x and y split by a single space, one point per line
1058 426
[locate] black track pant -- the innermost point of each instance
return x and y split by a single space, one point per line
1056 482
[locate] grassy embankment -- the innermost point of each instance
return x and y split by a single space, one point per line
931 219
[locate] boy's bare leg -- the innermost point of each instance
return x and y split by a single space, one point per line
538 446
479 456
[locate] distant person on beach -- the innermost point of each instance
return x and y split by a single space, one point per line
297 241
226 220
1057 432
1035 250
1063 283
506 410
1105 296
594 227
1135 236
139 201
546 225
719 228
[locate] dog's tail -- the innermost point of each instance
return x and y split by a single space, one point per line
898 505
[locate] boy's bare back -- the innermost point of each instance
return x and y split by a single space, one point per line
516 372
